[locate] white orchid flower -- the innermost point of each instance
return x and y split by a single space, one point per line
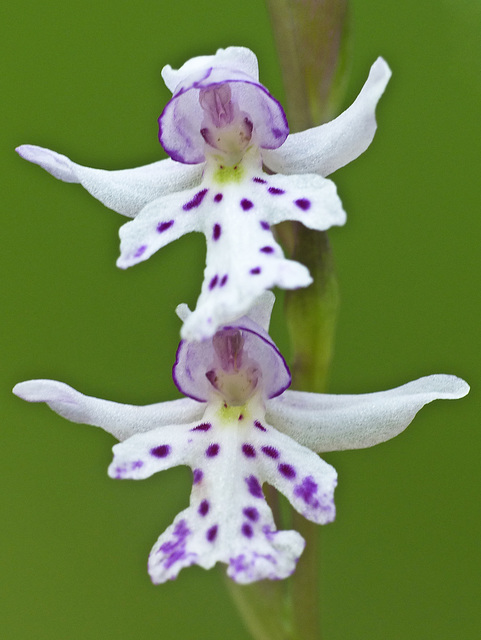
220 128
237 428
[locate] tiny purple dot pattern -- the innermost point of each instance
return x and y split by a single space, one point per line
140 251
251 513
270 452
287 471
211 534
259 180
216 231
162 451
259 426
267 249
255 271
163 226
218 197
205 426
265 225
246 204
198 475
213 282
254 487
248 450
247 530
196 200
224 280
204 508
303 203
212 450
274 191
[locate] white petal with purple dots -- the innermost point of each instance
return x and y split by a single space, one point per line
238 429
220 126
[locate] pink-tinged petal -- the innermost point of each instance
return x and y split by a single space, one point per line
125 191
121 420
326 422
195 359
326 148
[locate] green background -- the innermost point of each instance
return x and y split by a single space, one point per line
402 559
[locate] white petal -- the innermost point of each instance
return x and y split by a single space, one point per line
325 422
239 58
228 519
125 191
326 148
121 420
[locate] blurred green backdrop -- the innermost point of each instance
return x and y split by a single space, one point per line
402 560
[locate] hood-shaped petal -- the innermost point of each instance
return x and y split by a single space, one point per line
330 146
125 191
326 422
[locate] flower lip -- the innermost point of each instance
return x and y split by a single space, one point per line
195 359
181 120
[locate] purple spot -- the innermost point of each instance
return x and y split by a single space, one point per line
213 282
254 487
265 225
287 471
267 249
216 231
270 452
175 549
204 508
247 530
274 191
248 450
218 197
255 271
163 226
196 200
137 464
246 204
303 203
224 280
259 180
277 133
251 513
211 534
241 416
258 425
212 450
140 251
161 451
205 426
198 475
307 491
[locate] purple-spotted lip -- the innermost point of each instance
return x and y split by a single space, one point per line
188 146
192 382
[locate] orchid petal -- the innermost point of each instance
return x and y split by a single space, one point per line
325 422
125 191
121 420
330 146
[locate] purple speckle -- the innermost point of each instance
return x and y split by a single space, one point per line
270 452
216 231
137 464
212 450
247 530
251 513
224 280
287 471
162 451
218 197
205 426
277 133
198 475
267 249
255 271
246 204
204 508
259 180
211 534
275 191
307 491
140 251
265 225
163 226
259 426
213 282
248 450
254 486
196 200
241 416
303 203
175 549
